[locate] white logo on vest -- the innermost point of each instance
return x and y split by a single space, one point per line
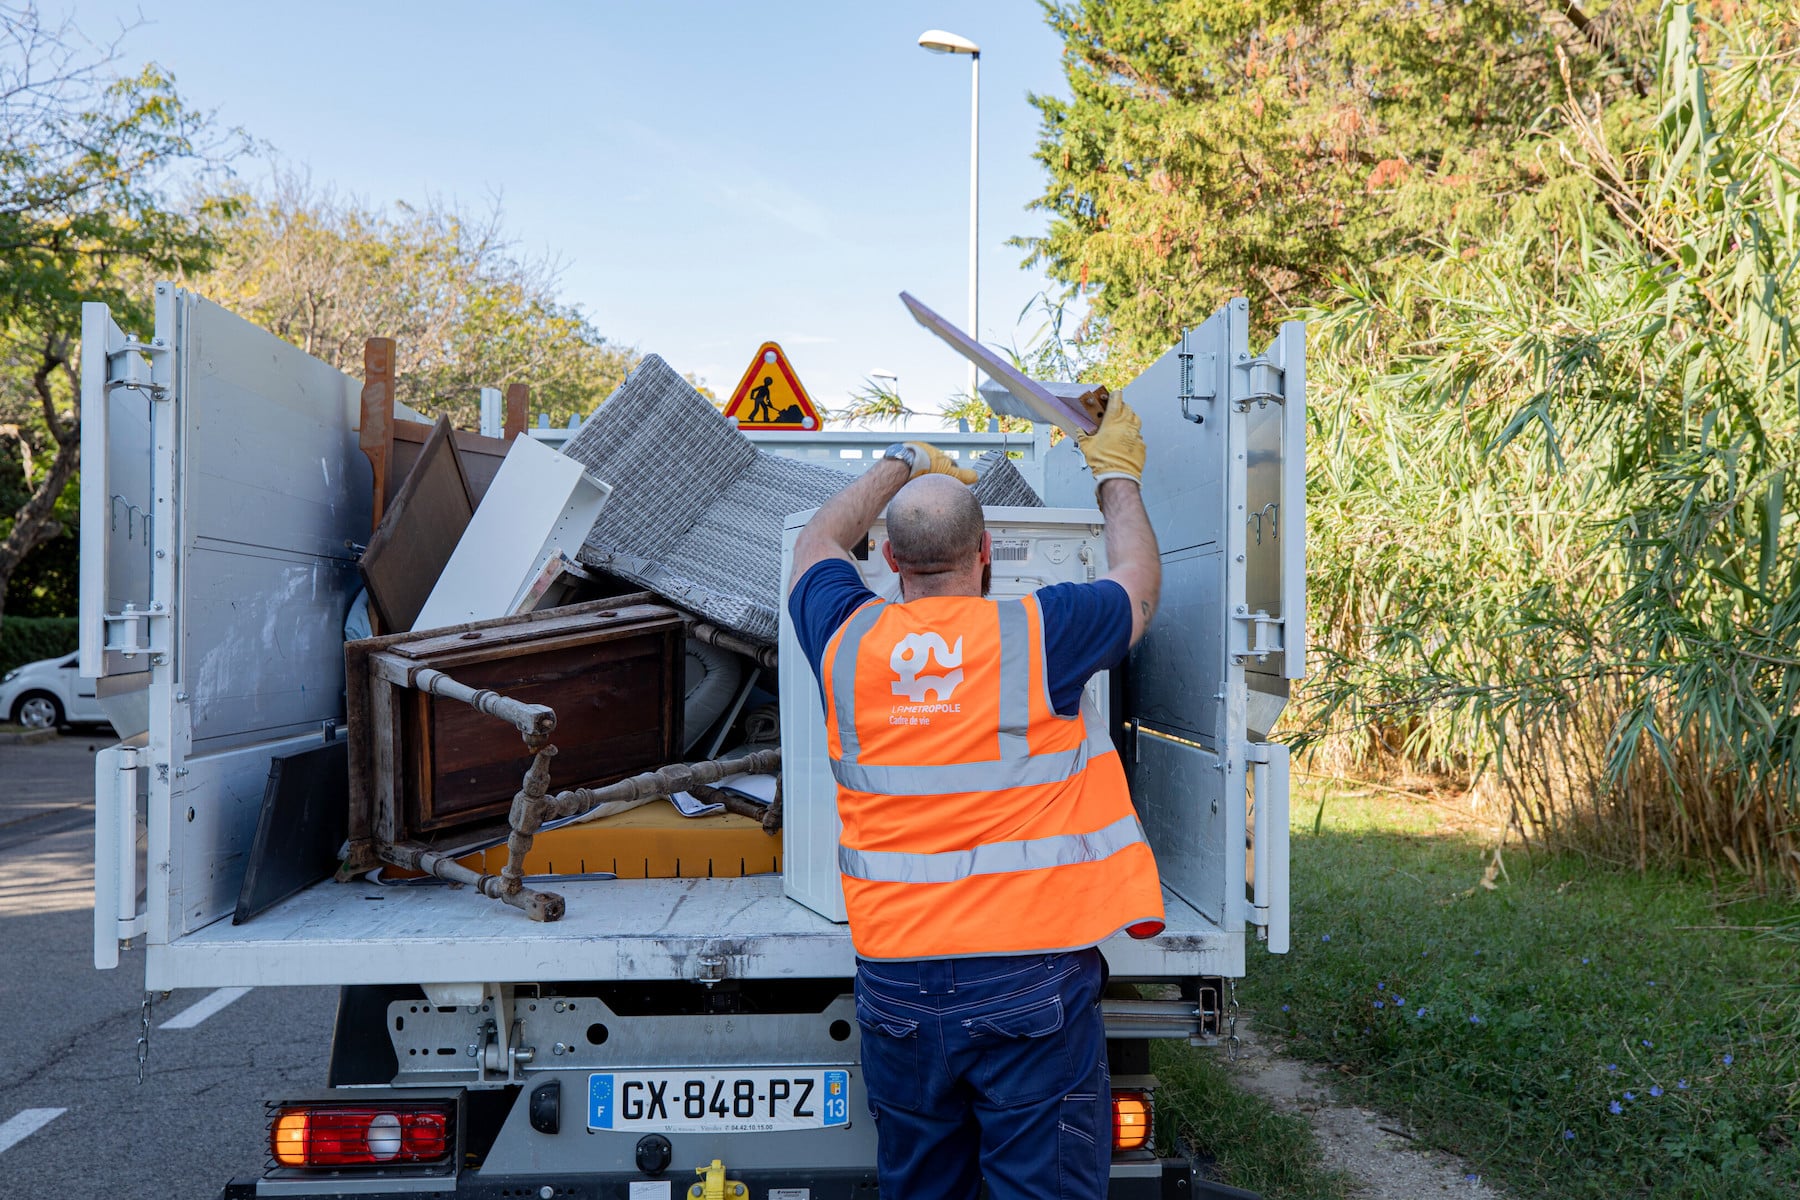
912 654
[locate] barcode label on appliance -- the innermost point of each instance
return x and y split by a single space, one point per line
1012 549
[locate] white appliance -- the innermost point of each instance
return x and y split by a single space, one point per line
541 503
1033 548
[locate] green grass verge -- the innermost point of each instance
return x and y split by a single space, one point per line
1577 1031
1255 1145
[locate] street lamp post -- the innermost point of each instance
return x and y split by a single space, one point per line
940 41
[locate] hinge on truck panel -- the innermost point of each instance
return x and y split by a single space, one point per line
1264 383
498 1051
1256 633
138 631
128 368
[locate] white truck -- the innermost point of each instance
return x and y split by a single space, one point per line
224 499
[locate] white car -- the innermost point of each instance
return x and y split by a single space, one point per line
48 693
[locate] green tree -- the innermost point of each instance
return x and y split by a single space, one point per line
1263 147
87 159
466 310
1547 254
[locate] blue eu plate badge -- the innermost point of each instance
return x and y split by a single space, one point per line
837 1098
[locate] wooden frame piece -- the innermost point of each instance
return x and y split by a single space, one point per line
392 444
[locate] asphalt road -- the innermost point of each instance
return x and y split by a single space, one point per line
68 1033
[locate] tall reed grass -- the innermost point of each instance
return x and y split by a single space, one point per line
1556 544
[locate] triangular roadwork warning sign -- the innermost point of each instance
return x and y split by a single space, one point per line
769 396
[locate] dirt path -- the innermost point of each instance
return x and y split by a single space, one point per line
1387 1166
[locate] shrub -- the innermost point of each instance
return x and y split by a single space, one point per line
27 639
1553 527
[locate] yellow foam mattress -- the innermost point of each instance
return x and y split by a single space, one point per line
650 842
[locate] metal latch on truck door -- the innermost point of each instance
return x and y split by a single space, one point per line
1206 389
1269 783
117 917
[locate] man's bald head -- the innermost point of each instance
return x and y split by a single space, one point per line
934 527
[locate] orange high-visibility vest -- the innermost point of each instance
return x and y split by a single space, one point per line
977 820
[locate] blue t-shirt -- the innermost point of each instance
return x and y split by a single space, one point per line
1087 626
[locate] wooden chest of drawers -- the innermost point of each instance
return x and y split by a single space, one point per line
435 770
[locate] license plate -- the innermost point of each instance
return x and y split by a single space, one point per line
717 1101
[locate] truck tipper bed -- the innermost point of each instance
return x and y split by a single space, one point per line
480 1053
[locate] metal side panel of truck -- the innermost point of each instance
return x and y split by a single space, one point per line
224 501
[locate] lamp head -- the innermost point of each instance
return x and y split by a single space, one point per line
942 41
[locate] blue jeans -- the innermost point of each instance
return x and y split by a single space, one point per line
988 1068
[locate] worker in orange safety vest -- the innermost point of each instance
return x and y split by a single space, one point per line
989 841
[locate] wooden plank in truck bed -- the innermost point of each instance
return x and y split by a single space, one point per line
615 930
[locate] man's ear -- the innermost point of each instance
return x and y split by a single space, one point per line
987 547
887 556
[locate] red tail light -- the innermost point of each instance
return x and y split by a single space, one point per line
327 1135
1131 1120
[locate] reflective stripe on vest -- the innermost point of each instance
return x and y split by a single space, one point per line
843 672
1063 850
1013 764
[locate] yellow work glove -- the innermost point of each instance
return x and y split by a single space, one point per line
929 460
1116 449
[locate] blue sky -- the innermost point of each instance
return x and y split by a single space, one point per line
711 174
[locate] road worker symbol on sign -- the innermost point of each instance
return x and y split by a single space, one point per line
912 654
764 412
769 396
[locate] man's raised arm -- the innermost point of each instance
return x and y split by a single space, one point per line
1115 455
844 519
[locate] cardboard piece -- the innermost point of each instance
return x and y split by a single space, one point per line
419 532
300 829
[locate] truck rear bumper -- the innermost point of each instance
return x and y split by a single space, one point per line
1167 1179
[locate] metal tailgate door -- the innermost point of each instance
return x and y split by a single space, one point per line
1225 490
219 557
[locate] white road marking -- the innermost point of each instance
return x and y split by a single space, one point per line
203 1008
26 1124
